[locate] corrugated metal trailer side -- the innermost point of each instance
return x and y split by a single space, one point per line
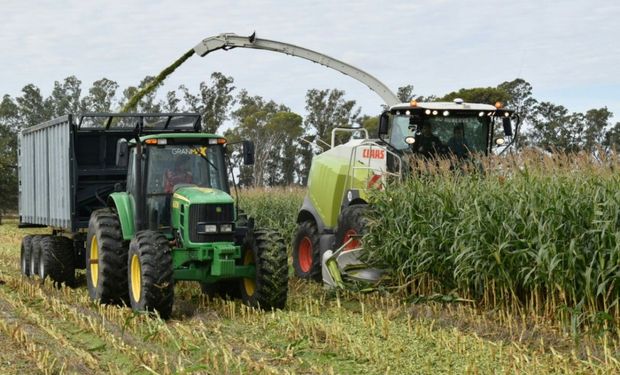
45 174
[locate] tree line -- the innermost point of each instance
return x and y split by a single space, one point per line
285 141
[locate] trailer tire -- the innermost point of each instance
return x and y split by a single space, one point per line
352 221
25 255
106 258
35 256
149 271
269 288
307 252
57 260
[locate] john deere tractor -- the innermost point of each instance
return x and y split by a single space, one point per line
332 217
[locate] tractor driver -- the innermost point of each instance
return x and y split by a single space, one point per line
426 143
458 144
179 175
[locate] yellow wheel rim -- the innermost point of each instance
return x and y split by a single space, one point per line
249 284
136 278
94 261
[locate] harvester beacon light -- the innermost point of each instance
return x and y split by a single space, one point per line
458 101
498 105
413 103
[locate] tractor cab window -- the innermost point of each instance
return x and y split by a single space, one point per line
436 135
173 165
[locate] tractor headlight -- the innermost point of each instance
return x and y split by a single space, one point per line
226 228
207 228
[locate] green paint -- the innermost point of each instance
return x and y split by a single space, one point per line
124 204
133 102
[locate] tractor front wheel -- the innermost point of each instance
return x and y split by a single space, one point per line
351 225
149 271
307 252
266 250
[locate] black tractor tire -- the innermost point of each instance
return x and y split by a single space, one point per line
352 221
269 288
307 252
57 260
25 255
35 256
149 272
106 258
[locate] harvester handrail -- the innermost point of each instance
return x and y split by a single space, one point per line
349 181
346 130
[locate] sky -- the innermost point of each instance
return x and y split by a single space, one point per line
568 50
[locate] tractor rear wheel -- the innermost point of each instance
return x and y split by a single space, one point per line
57 260
149 271
269 287
26 254
106 258
351 224
307 252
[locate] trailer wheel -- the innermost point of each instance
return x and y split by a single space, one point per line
106 258
351 223
26 254
57 260
307 252
149 271
269 287
35 256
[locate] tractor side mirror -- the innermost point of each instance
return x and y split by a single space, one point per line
248 152
122 153
383 124
507 126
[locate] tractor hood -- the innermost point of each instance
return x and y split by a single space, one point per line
198 195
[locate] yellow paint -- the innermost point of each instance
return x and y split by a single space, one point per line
136 278
180 197
249 284
94 261
175 204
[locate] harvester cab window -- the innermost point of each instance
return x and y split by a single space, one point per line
460 135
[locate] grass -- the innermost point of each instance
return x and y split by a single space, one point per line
52 330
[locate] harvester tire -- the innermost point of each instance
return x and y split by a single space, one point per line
352 222
307 252
106 258
149 272
57 260
35 256
269 287
25 254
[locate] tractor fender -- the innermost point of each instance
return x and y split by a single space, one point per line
350 198
123 204
308 212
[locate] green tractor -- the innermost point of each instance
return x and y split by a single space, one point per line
177 221
332 221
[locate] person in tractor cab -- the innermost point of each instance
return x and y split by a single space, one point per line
179 175
426 143
458 144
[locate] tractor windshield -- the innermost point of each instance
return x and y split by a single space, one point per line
460 135
185 164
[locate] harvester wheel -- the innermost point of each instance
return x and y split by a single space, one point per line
57 260
26 254
149 271
35 256
307 252
351 223
106 258
269 287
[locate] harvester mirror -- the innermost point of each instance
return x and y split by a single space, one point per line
122 153
507 126
248 152
383 124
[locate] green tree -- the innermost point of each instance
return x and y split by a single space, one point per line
65 97
596 122
147 103
100 96
405 93
9 125
33 109
486 95
328 109
213 102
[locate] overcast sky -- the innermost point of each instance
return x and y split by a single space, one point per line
568 50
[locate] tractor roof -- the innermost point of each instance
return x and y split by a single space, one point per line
457 105
177 136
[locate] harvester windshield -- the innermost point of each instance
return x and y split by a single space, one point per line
460 134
